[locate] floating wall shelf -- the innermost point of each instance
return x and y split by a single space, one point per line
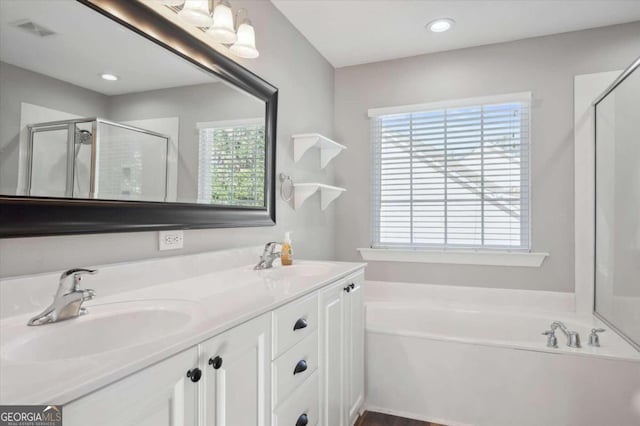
328 148
328 193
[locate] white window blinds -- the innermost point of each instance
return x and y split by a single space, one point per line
231 163
452 175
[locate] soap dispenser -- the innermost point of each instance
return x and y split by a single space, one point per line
286 253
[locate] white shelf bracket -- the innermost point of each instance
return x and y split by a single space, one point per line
328 193
301 144
327 196
328 154
302 192
328 148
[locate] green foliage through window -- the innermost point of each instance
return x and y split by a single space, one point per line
232 164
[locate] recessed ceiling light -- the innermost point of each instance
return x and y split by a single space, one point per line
109 77
441 25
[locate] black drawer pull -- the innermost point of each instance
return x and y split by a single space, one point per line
194 374
302 420
216 362
300 367
347 289
352 286
300 324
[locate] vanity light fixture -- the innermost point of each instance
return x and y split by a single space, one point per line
441 25
222 29
245 47
219 26
109 77
196 12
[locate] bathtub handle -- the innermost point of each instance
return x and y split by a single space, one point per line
594 339
552 340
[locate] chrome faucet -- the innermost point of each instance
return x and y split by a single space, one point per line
573 338
269 255
67 303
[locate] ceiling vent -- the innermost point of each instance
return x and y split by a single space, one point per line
33 28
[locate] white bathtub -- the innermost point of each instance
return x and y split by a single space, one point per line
459 364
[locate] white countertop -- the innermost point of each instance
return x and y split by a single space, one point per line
218 300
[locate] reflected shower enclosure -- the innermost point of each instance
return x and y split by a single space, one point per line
95 158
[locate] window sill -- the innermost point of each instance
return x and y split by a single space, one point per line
459 257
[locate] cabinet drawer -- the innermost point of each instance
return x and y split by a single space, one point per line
302 358
293 322
305 401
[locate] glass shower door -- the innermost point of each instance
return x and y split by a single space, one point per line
130 163
617 253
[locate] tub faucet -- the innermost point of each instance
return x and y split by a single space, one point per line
552 340
67 303
269 255
573 338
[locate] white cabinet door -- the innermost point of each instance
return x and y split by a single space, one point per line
156 396
236 376
332 354
354 360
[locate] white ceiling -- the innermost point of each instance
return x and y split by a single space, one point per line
86 45
350 32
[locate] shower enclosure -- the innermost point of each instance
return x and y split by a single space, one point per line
617 248
96 158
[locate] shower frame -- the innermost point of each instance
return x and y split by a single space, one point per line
623 76
70 126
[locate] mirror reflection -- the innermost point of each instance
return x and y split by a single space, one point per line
84 118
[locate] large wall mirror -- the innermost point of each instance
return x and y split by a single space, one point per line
617 254
106 127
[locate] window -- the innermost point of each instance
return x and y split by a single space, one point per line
452 175
232 163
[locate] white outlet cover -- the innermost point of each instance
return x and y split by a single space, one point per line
170 240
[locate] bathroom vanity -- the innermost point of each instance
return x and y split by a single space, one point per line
194 343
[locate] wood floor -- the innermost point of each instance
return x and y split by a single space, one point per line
370 418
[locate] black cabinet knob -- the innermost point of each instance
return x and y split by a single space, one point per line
215 362
352 286
300 324
302 420
347 289
300 367
194 374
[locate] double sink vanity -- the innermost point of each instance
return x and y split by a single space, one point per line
188 340
192 340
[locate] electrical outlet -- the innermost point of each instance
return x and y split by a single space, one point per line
170 240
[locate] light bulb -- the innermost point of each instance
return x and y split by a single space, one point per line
440 25
222 29
245 47
196 12
109 77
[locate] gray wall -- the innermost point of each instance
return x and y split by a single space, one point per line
20 85
546 67
305 82
191 104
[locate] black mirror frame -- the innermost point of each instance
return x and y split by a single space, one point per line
41 216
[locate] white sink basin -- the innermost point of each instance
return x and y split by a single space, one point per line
105 328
